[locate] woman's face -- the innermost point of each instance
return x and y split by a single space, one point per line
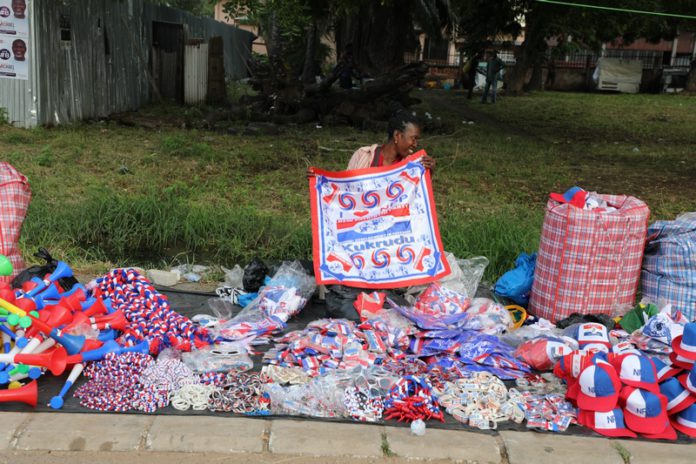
406 141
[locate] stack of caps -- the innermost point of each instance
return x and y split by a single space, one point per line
618 395
678 381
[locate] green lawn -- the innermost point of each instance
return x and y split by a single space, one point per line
106 194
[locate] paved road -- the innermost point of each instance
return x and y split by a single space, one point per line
106 438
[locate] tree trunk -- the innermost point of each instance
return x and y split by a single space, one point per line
274 47
536 79
310 55
530 52
379 33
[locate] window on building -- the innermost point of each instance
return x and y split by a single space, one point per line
65 29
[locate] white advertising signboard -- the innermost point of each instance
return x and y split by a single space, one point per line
14 39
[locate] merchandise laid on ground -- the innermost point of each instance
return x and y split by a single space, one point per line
576 353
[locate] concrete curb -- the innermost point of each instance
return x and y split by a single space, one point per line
26 434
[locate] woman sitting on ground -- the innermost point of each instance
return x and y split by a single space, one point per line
403 133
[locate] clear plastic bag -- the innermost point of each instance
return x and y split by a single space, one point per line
431 321
292 274
325 396
321 397
529 332
219 358
438 300
191 272
221 309
488 317
464 278
466 274
233 277
283 296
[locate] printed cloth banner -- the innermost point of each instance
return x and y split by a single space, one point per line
376 227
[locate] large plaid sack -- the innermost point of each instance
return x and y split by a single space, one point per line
589 260
669 265
14 201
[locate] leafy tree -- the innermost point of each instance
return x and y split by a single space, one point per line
291 30
483 20
380 31
197 7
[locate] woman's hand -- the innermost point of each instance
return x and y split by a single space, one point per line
428 162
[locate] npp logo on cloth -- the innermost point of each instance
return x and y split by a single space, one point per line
376 227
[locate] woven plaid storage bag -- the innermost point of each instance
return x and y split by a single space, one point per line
14 201
669 265
589 261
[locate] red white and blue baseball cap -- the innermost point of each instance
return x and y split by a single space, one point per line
574 195
667 434
665 369
688 380
678 397
680 361
592 335
645 412
636 371
685 421
571 365
598 387
625 347
685 344
609 424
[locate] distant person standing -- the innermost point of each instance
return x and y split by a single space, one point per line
471 73
493 67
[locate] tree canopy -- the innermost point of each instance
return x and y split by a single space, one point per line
480 22
197 7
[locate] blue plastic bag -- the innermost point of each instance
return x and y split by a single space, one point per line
516 284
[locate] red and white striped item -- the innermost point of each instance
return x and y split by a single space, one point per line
14 201
589 261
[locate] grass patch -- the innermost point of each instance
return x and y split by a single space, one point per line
386 450
106 194
237 90
623 452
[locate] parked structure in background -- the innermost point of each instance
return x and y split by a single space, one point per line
618 75
91 58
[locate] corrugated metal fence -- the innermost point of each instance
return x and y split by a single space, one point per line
90 58
195 73
88 63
